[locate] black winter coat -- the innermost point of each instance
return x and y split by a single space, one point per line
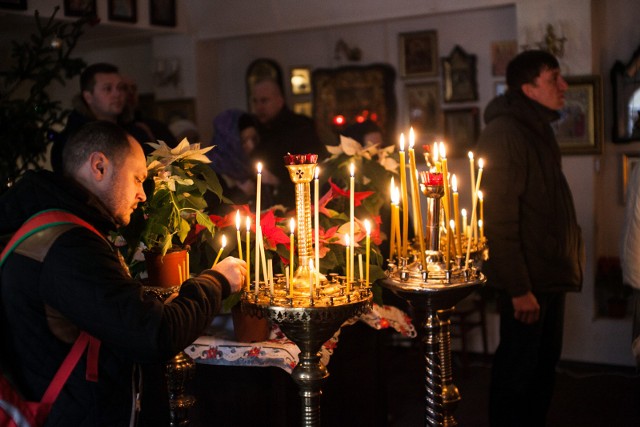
535 243
82 280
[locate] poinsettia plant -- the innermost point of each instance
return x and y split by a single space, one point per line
334 225
178 179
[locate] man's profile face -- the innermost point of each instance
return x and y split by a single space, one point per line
123 190
107 99
548 89
266 101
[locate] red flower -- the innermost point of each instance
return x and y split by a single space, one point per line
358 196
271 232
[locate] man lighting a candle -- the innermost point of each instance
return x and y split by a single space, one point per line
79 283
535 241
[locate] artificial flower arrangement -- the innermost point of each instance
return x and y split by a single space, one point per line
178 179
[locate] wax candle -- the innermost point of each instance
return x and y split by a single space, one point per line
463 212
289 284
238 234
263 259
352 169
270 275
446 198
456 214
347 245
473 224
472 174
258 198
367 227
416 200
316 218
405 199
360 268
453 233
477 194
292 227
481 228
481 206
248 226
224 243
396 220
392 230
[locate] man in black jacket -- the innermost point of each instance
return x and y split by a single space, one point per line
534 238
281 131
82 284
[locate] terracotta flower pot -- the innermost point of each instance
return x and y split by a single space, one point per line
167 271
249 328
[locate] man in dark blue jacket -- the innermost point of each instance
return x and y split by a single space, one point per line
82 284
534 239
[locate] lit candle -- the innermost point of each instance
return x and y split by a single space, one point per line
452 227
446 199
316 218
396 219
224 243
263 260
416 197
456 214
477 194
481 206
238 233
463 212
286 276
352 169
473 224
360 269
367 227
248 225
405 201
292 227
472 174
258 196
392 230
347 245
481 228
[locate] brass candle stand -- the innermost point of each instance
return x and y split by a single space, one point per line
437 287
308 311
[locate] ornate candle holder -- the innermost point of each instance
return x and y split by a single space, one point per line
436 286
308 313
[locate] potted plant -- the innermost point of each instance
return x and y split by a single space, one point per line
178 180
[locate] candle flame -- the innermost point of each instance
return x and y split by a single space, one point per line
395 196
452 224
346 240
224 241
412 137
248 223
292 225
443 151
480 196
367 226
480 163
238 219
352 169
464 212
454 183
402 142
259 167
317 172
480 223
470 155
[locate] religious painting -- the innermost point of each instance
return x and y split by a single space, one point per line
14 4
419 54
459 76
123 10
579 130
351 94
162 12
423 108
461 130
501 53
80 8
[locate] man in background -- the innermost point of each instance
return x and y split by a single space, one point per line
281 131
534 238
102 97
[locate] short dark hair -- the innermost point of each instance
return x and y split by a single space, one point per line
527 66
105 137
88 76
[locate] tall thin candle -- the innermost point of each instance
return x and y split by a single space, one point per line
352 169
416 198
248 226
224 243
347 245
456 214
292 227
238 234
392 241
256 277
472 174
367 227
446 199
316 219
405 201
473 211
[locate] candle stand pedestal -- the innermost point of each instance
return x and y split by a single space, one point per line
435 294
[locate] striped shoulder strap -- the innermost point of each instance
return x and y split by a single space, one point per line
40 221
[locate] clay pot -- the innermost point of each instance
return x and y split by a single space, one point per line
248 328
167 271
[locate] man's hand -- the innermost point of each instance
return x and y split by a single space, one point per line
235 270
526 308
